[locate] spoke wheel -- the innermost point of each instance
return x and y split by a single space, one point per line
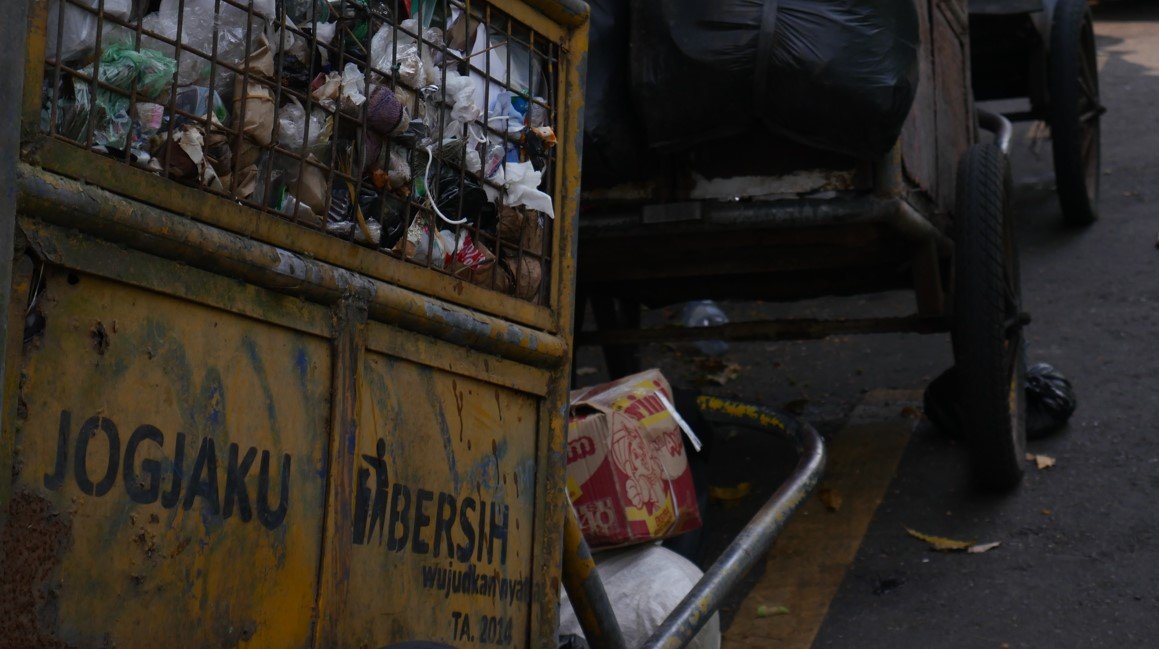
987 330
1075 111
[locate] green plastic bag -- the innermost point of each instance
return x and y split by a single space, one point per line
120 66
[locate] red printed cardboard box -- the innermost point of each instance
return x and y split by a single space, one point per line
627 473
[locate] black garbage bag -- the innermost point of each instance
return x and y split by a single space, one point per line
1050 401
832 74
615 149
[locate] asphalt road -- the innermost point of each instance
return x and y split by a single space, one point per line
1079 560
1078 564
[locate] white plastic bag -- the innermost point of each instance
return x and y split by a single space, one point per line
521 182
353 82
644 584
78 35
200 26
292 127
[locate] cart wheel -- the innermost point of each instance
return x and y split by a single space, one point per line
987 334
1073 86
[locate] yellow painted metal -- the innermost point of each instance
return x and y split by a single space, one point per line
398 394
180 450
550 482
66 159
34 67
71 204
443 509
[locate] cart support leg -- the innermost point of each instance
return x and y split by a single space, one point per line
586 591
927 274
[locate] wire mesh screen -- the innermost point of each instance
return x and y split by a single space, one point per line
419 128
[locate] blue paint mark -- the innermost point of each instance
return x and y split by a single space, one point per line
485 475
302 363
444 429
525 473
255 360
170 354
211 404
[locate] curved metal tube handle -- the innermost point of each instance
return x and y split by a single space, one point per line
999 126
754 540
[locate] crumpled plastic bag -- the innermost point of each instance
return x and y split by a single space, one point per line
416 67
460 93
421 246
297 133
644 584
353 82
77 37
121 66
325 89
521 182
200 26
253 104
186 157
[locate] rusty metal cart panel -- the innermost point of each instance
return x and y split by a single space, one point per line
227 426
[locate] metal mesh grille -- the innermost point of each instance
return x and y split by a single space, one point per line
419 128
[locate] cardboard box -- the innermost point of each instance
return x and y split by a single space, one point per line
627 472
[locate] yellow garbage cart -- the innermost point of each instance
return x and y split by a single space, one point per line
289 311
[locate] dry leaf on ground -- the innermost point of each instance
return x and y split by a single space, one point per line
766 611
941 543
829 497
736 492
983 547
730 372
1041 461
910 412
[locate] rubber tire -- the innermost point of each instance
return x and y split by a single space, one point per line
1071 35
988 351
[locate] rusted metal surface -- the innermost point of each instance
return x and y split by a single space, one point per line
585 591
443 508
191 202
766 330
182 444
335 566
919 146
72 204
13 30
32 547
797 183
552 410
428 482
754 540
567 12
953 99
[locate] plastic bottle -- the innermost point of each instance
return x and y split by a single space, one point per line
705 313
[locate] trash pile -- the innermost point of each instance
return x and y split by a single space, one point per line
666 75
423 128
631 482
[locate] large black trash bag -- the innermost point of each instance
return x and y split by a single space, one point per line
1050 401
832 74
615 149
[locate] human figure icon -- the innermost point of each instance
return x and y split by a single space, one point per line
370 504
